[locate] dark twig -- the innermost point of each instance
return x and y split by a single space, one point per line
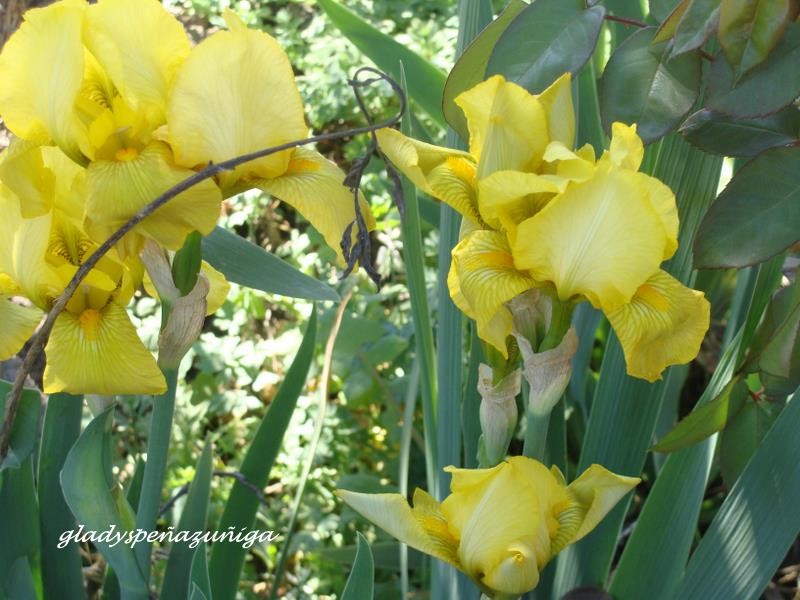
352 255
239 477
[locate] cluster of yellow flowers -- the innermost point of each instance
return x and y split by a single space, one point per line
110 106
540 215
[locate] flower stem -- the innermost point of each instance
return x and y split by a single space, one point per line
155 468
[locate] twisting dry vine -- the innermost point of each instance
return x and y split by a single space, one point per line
355 252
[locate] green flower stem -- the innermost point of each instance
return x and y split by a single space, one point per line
153 479
537 423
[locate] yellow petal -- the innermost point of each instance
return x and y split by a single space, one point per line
466 490
513 195
664 324
392 513
557 102
99 352
313 185
627 149
235 94
140 45
19 323
219 288
22 170
505 540
507 126
601 239
118 189
447 175
663 201
597 491
41 68
482 279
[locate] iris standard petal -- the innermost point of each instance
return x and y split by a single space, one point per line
627 149
99 352
140 46
663 324
235 94
597 491
513 196
507 126
482 279
313 185
557 102
22 170
466 489
447 175
663 201
118 189
601 239
19 323
392 513
41 68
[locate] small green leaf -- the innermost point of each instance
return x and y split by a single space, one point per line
251 266
24 432
193 519
742 436
666 31
360 584
749 30
706 420
697 25
764 90
545 40
756 216
661 9
425 81
722 134
95 499
470 68
639 85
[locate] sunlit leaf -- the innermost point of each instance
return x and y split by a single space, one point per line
756 216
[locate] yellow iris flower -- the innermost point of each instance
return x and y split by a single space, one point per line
500 526
117 87
538 214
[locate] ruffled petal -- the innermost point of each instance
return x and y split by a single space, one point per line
22 170
313 185
627 149
19 323
663 324
482 279
597 491
447 175
99 352
41 68
557 102
507 126
392 513
466 490
601 239
235 94
514 196
140 45
118 189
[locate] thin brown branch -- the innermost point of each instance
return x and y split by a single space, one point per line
39 340
626 21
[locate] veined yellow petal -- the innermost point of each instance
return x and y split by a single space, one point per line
140 45
601 239
235 94
466 490
392 513
627 149
597 491
19 323
663 324
507 126
99 352
118 189
663 201
557 102
313 185
482 279
447 175
513 195
41 68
